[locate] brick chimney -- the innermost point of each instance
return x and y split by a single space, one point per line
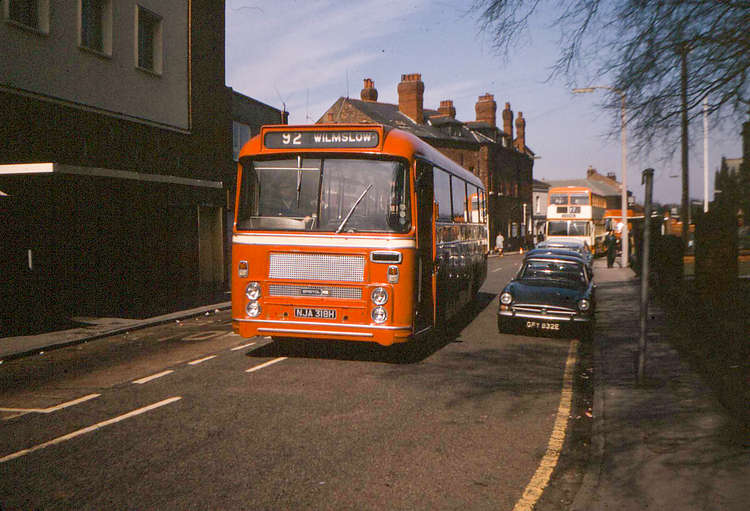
486 108
521 132
447 108
612 176
411 97
369 93
508 123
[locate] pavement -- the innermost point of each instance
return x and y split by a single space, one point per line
91 329
665 444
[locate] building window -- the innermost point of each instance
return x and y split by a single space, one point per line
148 40
33 14
96 25
538 207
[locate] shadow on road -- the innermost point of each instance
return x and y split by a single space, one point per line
406 353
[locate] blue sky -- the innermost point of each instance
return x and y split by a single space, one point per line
308 53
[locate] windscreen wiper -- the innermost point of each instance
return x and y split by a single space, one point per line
356 203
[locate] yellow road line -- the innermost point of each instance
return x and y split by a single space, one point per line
541 477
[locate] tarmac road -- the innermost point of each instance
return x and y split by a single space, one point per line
176 416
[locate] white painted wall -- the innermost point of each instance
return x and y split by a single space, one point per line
53 65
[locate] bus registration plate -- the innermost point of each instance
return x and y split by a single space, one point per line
308 313
543 325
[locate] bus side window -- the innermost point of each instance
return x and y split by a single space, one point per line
442 185
458 189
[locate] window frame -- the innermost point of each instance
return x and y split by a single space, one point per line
105 21
157 47
42 16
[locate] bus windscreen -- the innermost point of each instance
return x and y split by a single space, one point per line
568 228
324 194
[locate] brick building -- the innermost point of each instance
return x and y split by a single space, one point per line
115 147
504 163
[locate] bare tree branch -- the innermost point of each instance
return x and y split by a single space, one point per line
635 46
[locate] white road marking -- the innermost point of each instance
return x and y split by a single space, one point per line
265 364
493 271
51 408
153 377
243 346
89 429
203 336
200 360
541 477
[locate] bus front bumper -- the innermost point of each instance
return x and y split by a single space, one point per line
381 334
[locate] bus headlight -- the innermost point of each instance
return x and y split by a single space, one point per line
252 291
252 309
584 305
506 298
379 315
379 296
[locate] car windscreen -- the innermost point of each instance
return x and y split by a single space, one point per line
324 194
554 270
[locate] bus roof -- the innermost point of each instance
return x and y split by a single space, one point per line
617 213
568 189
350 138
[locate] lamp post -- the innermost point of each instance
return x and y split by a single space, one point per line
624 239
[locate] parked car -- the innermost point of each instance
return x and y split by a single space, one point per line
580 246
568 252
550 293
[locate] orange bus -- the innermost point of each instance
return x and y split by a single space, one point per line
353 232
613 221
575 212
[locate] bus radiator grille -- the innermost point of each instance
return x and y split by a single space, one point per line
317 267
314 291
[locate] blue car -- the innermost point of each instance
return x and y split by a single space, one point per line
550 294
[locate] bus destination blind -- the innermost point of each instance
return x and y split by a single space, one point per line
320 139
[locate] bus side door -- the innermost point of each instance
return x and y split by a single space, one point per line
425 285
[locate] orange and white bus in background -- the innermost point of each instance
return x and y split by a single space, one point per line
613 221
353 232
575 212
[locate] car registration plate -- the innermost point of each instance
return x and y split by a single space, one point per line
308 313
543 325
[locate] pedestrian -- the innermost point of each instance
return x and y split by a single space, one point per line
610 244
499 243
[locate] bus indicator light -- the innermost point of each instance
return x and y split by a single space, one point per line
242 270
393 274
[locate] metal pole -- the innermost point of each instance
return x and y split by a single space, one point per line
624 238
685 214
705 154
648 180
